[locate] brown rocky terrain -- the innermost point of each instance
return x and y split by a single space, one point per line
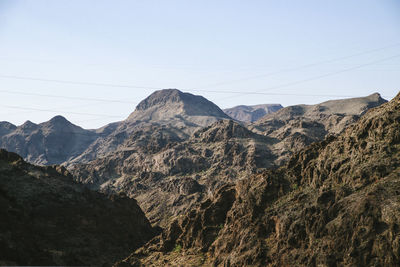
154 164
52 142
334 203
46 219
251 113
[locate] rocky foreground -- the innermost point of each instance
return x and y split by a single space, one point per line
335 203
46 219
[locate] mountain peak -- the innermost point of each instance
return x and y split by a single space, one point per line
171 103
59 120
160 97
28 125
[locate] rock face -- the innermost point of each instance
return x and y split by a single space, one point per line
296 127
251 113
52 142
46 219
335 203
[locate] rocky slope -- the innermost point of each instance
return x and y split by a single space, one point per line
251 113
335 203
170 181
52 142
46 219
298 126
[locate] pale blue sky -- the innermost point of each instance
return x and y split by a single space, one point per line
304 50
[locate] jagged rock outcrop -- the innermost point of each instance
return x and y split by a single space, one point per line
46 219
52 142
251 113
335 203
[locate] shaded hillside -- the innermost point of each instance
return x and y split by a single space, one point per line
46 219
298 126
51 142
251 113
335 203
167 182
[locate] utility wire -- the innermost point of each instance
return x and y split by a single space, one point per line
311 78
261 92
193 89
302 66
69 97
76 82
69 112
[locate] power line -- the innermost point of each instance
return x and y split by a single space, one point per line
193 89
302 66
76 82
69 112
69 97
314 77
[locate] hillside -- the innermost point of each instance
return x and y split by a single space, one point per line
335 203
251 113
46 219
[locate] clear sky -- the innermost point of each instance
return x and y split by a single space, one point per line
93 60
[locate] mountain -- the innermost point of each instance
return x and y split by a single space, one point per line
51 142
334 203
251 113
165 116
156 166
46 219
298 126
6 128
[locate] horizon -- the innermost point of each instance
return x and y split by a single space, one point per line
95 68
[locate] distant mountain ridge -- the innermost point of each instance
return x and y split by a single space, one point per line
298 126
53 142
251 113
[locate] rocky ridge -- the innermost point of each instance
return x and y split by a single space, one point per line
334 203
299 126
52 142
